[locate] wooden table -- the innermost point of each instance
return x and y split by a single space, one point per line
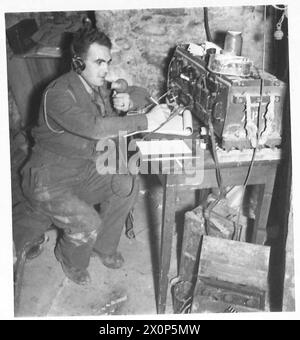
234 168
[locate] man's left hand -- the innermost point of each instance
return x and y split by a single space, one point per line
122 102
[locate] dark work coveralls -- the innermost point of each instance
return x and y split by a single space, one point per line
60 181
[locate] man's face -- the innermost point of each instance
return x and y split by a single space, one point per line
97 62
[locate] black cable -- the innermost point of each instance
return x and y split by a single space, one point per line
216 159
206 25
258 133
218 175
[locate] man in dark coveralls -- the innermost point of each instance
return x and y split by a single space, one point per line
60 180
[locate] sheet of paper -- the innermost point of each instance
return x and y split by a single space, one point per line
179 125
163 147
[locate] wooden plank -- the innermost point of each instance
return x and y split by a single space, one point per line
235 262
227 159
263 208
238 156
192 234
235 175
168 225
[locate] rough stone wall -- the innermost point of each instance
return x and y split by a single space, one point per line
143 40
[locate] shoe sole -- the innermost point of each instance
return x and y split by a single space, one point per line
38 248
65 270
108 265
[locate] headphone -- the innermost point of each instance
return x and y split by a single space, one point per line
78 65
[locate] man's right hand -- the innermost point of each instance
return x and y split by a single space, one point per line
158 115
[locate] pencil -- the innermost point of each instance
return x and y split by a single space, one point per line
154 101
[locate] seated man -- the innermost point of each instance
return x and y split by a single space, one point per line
60 180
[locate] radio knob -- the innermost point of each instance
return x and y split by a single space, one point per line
218 112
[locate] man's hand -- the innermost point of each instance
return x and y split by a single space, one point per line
122 102
158 115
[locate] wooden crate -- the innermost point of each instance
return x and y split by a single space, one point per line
194 229
232 276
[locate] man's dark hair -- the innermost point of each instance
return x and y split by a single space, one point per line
86 36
